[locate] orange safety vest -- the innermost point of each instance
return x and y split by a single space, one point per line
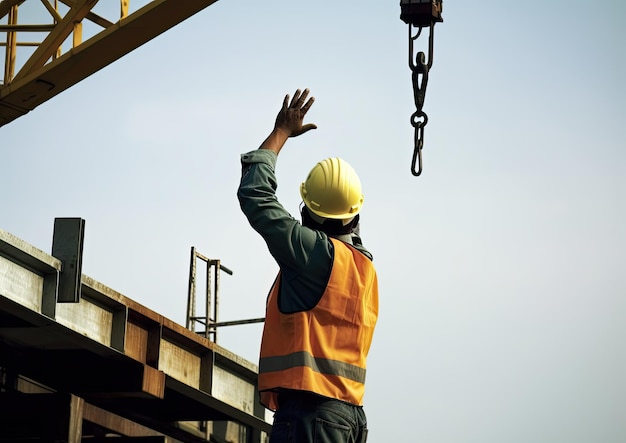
323 350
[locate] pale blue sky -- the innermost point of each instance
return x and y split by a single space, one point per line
501 268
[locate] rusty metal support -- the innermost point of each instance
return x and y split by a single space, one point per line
211 290
239 322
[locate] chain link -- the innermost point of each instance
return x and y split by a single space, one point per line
419 76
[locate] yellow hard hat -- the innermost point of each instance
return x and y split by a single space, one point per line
332 190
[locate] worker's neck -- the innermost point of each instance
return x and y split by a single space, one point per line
346 238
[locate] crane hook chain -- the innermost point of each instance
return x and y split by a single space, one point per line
419 75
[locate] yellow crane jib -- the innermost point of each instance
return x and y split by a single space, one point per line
63 54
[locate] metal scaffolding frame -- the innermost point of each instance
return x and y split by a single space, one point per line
211 298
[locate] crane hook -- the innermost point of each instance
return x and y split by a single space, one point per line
422 14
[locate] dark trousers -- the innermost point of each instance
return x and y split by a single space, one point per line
308 418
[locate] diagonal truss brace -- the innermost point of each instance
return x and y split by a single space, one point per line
49 46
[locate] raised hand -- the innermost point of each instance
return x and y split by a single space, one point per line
291 115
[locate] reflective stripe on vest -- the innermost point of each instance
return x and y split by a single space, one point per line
324 349
317 364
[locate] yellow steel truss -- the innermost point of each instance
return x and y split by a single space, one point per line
48 69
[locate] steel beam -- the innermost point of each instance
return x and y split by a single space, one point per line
117 354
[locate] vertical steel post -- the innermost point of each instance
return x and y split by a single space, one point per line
209 295
217 267
191 293
67 246
212 285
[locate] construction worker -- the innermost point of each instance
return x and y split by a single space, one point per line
322 308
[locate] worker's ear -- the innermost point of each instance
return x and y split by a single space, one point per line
307 220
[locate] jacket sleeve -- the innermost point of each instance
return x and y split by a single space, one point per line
303 255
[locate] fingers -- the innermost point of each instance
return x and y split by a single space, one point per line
298 100
286 102
302 98
294 100
292 113
307 105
